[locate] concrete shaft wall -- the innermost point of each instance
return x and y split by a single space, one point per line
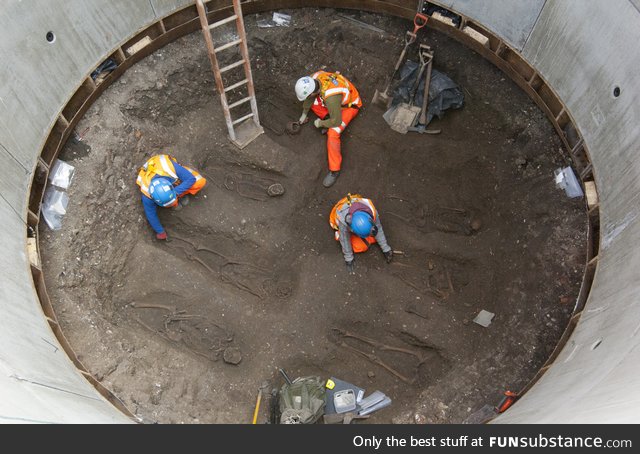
582 49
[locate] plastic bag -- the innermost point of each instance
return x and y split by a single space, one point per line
54 207
566 179
443 94
61 174
277 20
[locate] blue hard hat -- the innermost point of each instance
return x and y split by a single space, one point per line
361 224
162 191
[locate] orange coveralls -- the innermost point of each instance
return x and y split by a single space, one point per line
335 84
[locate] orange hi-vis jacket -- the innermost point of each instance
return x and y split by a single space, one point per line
161 165
332 84
344 202
351 243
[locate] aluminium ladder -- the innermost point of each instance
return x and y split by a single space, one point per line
246 128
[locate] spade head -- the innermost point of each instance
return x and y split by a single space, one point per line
402 117
381 99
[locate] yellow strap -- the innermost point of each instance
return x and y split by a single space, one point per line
255 412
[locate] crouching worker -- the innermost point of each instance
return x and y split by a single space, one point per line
163 182
357 225
336 102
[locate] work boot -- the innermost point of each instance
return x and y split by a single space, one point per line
182 202
330 179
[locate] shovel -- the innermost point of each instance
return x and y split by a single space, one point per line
421 125
382 98
404 116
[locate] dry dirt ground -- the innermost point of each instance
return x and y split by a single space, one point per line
263 278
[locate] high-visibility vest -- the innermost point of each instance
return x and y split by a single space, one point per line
348 200
332 84
161 165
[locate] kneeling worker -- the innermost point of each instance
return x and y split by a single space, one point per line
357 226
336 102
163 182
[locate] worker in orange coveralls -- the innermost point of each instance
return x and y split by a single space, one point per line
336 102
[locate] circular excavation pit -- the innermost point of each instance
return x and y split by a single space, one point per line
253 280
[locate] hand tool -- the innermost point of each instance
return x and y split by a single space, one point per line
421 125
383 99
403 116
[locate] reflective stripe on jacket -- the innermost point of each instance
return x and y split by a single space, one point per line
160 165
332 84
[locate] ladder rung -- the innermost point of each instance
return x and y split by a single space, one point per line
239 84
232 65
242 119
228 45
242 101
223 21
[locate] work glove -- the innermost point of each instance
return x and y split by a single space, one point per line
316 123
350 267
303 119
388 256
161 236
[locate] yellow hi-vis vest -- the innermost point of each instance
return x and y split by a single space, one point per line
162 165
336 84
348 200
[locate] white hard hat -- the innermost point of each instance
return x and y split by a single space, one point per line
304 87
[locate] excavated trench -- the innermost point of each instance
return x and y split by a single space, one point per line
189 330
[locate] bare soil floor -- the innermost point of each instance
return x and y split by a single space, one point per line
262 279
